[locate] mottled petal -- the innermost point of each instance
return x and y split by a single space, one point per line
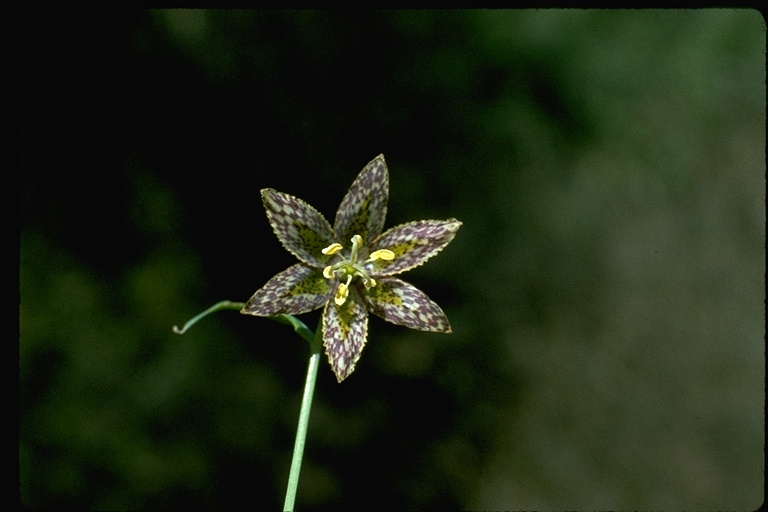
345 329
297 289
403 304
364 208
413 244
301 228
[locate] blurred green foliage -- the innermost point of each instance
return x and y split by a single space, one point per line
606 290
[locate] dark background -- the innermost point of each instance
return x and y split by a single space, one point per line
606 291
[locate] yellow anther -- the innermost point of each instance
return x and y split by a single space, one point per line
328 272
357 240
367 280
332 249
341 294
381 254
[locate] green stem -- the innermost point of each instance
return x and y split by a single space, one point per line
315 340
225 304
298 326
301 429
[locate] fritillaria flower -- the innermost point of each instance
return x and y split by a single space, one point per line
349 269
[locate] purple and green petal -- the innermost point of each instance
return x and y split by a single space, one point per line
364 208
297 289
402 303
345 329
413 244
301 228
303 287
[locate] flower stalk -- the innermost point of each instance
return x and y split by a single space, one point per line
315 341
303 425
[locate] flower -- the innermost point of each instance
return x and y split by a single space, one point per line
348 269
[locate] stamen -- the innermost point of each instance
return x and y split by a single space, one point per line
351 268
368 281
381 254
342 292
332 249
357 242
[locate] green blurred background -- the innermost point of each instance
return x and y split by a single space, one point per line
606 290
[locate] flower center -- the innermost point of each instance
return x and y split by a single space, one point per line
347 269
